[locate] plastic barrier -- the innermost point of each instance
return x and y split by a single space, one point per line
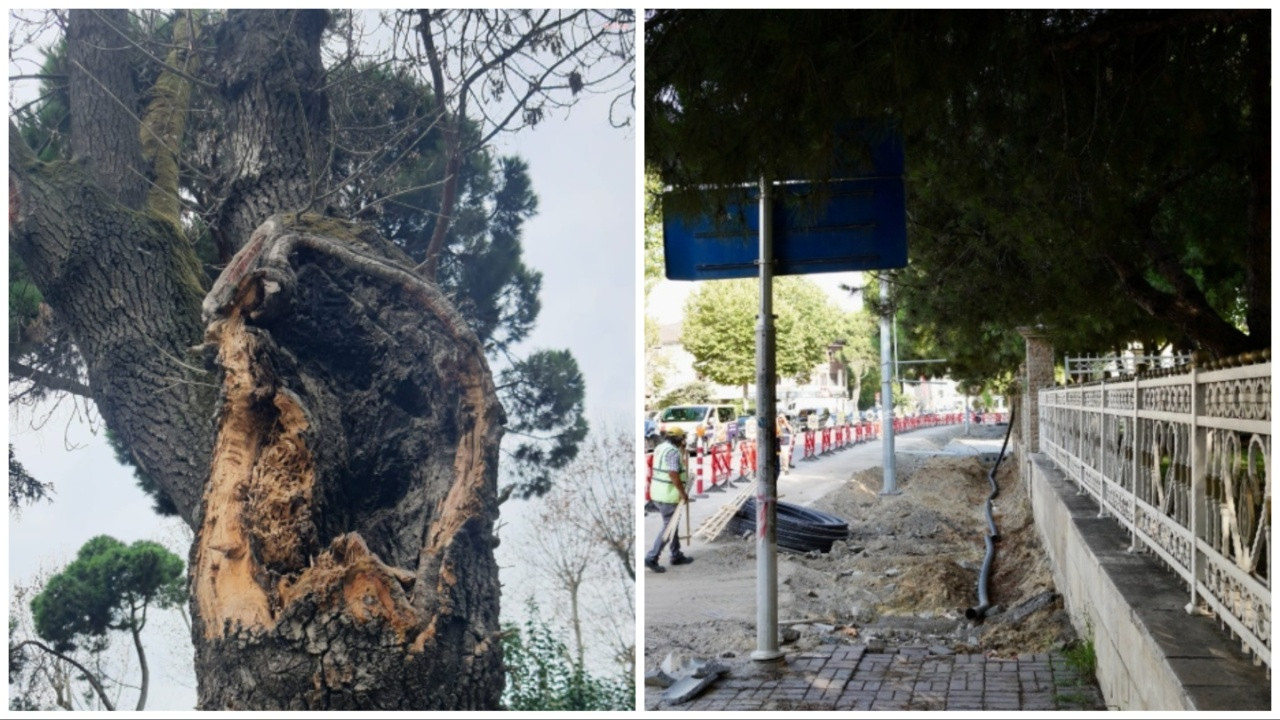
711 469
721 466
696 473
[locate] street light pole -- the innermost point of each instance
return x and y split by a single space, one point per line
766 468
886 392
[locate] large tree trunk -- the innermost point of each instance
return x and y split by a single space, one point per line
345 559
126 286
340 463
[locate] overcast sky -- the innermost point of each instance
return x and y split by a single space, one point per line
583 240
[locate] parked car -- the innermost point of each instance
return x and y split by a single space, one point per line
709 422
811 418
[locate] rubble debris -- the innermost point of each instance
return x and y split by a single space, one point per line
689 676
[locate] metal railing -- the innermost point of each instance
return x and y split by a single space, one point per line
1092 368
1183 461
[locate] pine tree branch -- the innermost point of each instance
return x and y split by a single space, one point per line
50 380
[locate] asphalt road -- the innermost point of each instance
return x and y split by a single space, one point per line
810 479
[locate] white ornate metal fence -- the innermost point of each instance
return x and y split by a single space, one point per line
1183 461
1088 368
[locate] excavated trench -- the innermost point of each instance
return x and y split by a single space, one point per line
904 576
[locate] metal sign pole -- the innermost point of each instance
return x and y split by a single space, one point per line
886 394
766 465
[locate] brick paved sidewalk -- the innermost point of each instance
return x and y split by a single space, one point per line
852 677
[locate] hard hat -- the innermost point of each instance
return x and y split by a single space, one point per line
675 432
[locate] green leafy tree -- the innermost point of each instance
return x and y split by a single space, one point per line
544 395
688 394
859 331
1100 172
720 323
655 365
654 269
110 586
542 676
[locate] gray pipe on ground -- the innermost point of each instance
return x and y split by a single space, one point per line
977 614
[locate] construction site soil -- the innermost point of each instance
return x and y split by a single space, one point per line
904 577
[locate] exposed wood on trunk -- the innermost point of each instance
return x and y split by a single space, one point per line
224 587
335 552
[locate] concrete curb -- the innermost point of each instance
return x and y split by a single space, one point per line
1152 654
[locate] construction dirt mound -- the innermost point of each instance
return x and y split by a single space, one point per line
904 577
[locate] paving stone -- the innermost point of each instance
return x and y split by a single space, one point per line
848 678
854 702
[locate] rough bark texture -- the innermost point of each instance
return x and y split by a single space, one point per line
345 558
104 127
269 159
127 289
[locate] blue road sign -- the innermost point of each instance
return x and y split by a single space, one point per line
862 225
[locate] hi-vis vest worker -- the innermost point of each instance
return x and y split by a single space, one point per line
668 457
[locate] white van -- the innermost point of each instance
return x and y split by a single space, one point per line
814 411
706 421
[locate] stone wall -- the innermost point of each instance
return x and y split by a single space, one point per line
1151 654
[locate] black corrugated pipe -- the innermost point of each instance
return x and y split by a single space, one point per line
978 613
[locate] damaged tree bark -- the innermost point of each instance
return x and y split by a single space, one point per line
346 540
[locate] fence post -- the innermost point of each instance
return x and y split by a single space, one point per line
1103 474
1137 465
1198 488
1039 365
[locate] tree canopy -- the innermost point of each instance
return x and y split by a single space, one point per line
720 325
109 586
1101 173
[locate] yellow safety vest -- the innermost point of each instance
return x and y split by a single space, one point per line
665 459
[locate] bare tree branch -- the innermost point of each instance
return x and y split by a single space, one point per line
88 675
